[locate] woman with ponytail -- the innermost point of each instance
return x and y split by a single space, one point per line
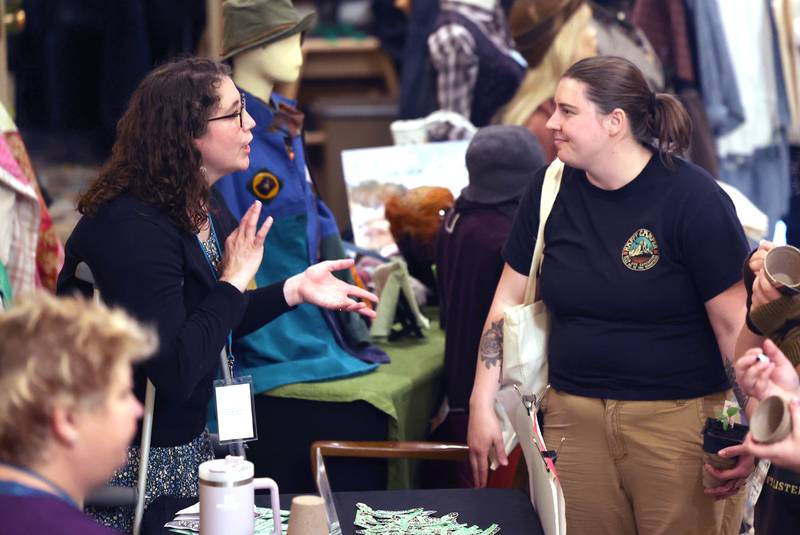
642 277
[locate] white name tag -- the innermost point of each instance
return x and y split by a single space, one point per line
235 410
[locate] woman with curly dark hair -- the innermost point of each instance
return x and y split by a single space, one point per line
152 233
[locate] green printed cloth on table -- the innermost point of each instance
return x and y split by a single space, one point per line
413 522
190 524
407 390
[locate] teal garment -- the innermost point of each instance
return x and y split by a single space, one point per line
5 288
298 346
301 345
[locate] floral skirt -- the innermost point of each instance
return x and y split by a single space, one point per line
171 471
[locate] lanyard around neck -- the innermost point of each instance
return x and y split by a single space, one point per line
216 278
216 244
56 490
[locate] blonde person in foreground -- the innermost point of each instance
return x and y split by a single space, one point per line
67 410
642 278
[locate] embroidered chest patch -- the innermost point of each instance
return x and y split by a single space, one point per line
641 251
265 186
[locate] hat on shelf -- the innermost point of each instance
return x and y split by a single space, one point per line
501 161
251 23
535 24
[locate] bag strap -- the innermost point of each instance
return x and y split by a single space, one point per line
550 187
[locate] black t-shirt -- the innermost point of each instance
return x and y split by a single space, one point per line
625 277
778 507
157 272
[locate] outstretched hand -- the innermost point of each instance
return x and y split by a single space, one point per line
317 286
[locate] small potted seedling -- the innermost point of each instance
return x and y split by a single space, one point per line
719 433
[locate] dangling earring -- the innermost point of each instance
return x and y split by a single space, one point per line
204 172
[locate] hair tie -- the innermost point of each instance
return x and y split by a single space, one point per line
653 102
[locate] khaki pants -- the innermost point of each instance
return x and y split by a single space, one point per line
635 467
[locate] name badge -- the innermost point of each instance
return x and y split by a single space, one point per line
235 410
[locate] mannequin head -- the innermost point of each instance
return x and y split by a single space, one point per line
263 39
576 40
258 69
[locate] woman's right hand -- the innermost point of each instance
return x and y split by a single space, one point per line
760 380
244 249
483 434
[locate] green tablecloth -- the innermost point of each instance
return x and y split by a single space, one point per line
408 390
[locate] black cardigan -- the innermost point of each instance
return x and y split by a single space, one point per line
145 264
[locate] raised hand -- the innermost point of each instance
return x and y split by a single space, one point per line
244 249
317 286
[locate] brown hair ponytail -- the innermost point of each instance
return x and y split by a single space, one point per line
670 126
654 118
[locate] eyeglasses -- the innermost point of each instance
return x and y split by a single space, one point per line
239 114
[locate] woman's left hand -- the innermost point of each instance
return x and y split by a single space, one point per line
317 286
785 453
734 478
763 291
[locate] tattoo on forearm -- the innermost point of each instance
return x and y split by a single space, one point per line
491 347
741 397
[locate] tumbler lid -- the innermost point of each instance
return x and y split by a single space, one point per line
230 470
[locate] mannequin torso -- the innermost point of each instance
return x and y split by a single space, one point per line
473 54
302 227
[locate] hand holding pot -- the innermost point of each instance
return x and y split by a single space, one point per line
785 453
724 475
763 290
756 261
734 478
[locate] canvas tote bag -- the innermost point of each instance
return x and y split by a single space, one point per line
546 494
526 326
525 331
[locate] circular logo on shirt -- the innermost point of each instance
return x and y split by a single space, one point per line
641 251
265 186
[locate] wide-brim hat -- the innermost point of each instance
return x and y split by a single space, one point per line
501 160
251 23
